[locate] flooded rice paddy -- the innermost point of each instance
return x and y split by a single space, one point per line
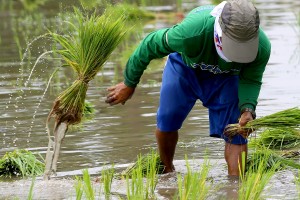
116 135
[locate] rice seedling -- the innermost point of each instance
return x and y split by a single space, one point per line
135 183
78 188
141 177
30 194
85 50
20 162
289 118
106 180
84 186
279 139
193 185
242 166
151 175
148 164
88 186
256 178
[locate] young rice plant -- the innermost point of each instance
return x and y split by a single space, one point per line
256 178
289 118
20 162
85 50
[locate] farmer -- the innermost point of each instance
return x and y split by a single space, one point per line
217 55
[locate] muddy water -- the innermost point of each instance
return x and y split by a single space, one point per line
118 134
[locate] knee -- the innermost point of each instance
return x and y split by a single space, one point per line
169 120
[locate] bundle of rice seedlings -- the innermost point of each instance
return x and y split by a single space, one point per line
20 162
145 163
85 50
278 139
270 159
289 118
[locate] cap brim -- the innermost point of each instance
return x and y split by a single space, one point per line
241 52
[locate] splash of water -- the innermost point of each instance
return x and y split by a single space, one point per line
40 101
20 97
26 51
36 62
20 80
29 45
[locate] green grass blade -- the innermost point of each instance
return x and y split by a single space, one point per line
30 195
88 187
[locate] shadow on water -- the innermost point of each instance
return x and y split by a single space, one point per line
118 134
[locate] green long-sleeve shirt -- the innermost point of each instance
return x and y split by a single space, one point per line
193 38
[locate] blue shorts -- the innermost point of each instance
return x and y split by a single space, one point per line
182 86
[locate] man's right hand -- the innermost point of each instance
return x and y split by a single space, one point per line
244 119
119 93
